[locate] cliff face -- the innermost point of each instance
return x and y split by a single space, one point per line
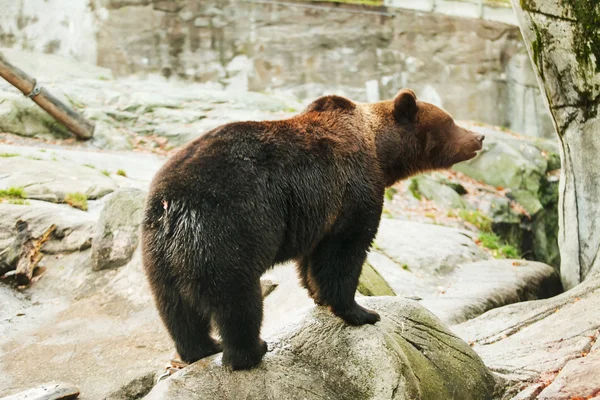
476 69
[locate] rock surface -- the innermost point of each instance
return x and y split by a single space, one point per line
542 347
431 249
99 331
452 277
408 354
74 228
528 170
117 233
53 180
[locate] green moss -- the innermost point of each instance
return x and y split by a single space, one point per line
586 37
537 50
12 193
414 188
105 172
499 250
553 160
77 200
389 193
405 267
373 284
476 218
19 202
387 213
7 155
89 166
508 251
121 172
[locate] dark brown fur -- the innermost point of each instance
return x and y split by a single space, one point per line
249 195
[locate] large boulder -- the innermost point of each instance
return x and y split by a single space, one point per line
117 233
546 349
52 180
444 269
528 170
409 354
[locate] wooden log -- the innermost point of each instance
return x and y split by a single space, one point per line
30 252
81 127
9 257
47 391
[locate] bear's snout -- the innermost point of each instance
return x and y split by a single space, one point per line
480 138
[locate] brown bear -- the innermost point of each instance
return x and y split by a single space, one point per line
248 195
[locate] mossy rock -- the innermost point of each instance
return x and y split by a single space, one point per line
373 284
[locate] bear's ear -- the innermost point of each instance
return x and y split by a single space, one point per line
330 103
405 106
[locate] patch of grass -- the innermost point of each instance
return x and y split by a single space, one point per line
42 150
12 193
19 202
405 267
120 172
390 192
7 155
499 250
452 214
414 189
77 200
476 218
387 214
90 166
105 172
509 251
490 241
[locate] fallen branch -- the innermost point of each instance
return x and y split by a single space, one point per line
81 127
24 254
30 253
48 391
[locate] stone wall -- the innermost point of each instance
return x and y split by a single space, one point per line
477 70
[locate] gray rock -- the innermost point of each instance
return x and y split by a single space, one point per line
23 117
74 228
116 235
462 289
432 189
408 354
507 162
523 166
529 342
52 180
268 283
140 168
429 249
474 288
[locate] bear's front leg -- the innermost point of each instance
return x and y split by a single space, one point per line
334 268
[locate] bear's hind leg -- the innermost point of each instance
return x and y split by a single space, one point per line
188 326
303 267
335 267
238 313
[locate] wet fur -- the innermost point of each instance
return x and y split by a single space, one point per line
249 195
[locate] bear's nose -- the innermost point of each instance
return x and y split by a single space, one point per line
480 138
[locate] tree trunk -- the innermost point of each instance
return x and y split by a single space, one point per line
563 41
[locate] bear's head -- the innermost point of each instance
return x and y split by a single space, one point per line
419 136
